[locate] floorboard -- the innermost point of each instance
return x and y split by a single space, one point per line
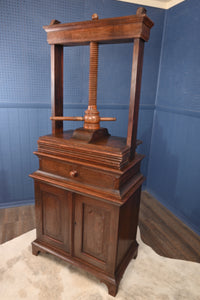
165 233
16 221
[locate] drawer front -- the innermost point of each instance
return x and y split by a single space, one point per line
79 173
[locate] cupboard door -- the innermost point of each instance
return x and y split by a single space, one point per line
95 233
53 215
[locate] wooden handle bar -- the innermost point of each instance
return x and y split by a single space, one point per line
67 118
78 119
107 119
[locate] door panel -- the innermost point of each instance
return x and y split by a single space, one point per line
95 220
54 208
95 232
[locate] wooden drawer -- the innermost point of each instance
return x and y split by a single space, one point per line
79 173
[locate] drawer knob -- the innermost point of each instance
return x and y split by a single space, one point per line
73 173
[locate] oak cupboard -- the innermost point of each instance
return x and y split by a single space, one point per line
87 188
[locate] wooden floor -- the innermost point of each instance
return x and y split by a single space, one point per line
16 221
165 233
160 229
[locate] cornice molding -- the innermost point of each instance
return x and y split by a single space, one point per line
155 3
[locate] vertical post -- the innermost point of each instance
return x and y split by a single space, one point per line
57 87
136 76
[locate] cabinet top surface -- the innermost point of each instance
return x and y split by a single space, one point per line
109 143
109 150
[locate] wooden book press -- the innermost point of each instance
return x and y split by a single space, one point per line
87 188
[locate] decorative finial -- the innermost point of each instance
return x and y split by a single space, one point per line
95 17
141 11
54 22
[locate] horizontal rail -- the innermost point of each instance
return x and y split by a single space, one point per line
112 30
79 119
67 118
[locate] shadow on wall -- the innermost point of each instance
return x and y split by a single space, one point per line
144 150
4 192
163 166
144 134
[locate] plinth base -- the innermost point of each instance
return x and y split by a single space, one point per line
111 281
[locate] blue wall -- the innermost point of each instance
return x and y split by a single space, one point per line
174 165
25 83
169 121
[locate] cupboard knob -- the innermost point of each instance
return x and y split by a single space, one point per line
73 173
